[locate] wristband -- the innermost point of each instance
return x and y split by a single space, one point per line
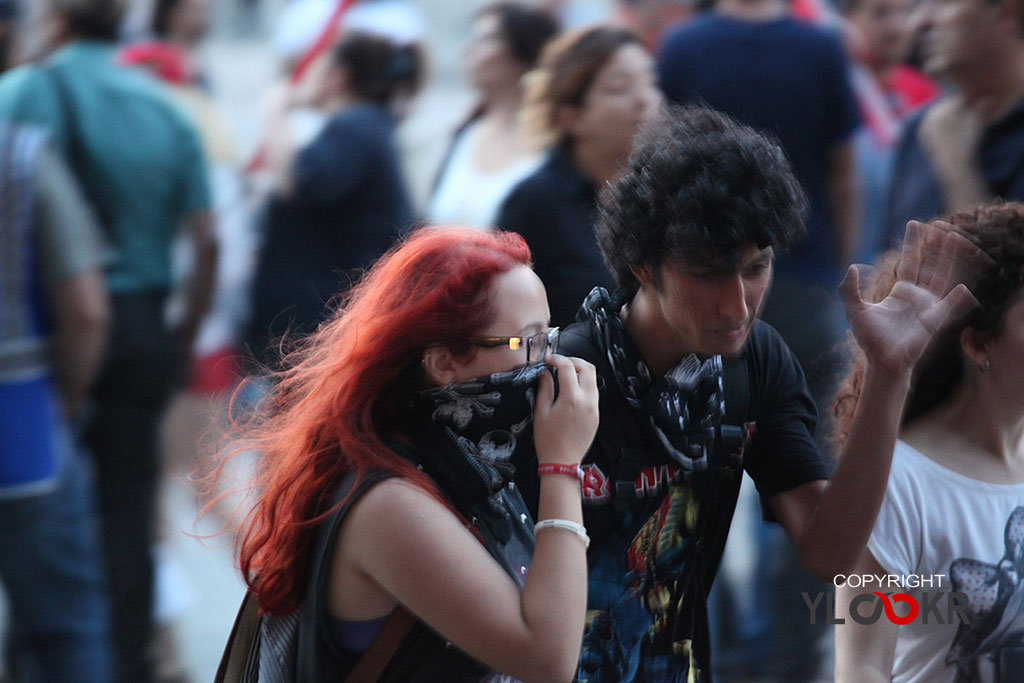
556 468
564 525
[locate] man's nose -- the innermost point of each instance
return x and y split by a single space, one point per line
732 298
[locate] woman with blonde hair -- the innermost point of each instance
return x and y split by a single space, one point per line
585 102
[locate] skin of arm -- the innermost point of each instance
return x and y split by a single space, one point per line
199 292
78 300
864 653
81 311
843 199
399 544
830 523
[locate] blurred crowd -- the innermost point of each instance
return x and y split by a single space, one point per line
148 260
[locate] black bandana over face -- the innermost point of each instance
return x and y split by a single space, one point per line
489 418
685 408
467 436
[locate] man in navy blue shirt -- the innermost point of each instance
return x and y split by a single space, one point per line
968 147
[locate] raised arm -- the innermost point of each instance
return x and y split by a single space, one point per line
864 653
199 291
830 523
406 547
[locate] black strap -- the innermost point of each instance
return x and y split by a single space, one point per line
736 380
77 154
243 634
313 625
383 647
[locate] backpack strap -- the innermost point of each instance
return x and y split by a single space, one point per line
383 647
313 611
244 636
77 155
736 380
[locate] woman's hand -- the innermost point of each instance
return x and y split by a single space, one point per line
564 427
930 292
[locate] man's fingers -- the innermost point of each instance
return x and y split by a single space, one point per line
944 275
960 301
958 261
954 306
910 255
849 288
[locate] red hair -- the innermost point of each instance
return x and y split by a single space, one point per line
342 391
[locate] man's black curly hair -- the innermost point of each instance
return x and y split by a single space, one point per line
698 188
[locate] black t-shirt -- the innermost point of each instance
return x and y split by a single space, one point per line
350 204
782 76
658 532
554 210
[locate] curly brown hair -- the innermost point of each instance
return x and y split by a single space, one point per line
699 186
998 229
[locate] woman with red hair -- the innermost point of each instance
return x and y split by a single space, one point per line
387 445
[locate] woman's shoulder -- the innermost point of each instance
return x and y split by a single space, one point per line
366 123
389 504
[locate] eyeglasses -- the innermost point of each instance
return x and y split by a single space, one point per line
537 345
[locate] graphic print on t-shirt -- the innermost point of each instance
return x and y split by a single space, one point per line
991 646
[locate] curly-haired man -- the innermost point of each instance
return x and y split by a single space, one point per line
697 390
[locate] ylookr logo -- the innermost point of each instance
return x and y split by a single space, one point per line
867 608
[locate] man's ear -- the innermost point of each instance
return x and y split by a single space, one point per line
645 274
438 366
973 344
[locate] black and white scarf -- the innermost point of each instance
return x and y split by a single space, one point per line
685 408
466 437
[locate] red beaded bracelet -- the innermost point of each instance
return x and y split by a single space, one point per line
556 468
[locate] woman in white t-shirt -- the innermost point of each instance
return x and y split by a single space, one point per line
952 520
489 154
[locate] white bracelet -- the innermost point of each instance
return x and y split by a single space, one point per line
564 525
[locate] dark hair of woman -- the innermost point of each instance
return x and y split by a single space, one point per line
93 19
379 70
526 29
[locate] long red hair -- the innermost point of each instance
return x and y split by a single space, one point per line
343 389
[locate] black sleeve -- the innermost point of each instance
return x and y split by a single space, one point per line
782 453
844 112
531 211
902 173
331 166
